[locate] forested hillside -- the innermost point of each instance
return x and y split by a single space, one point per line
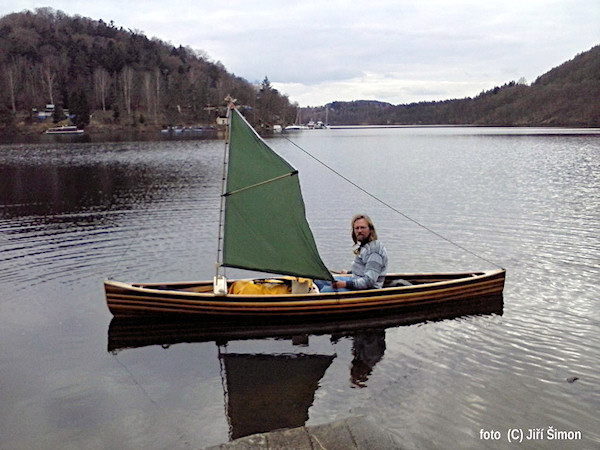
118 76
568 95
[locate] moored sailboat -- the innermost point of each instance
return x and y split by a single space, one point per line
264 228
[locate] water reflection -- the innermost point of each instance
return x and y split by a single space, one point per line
31 189
83 178
368 348
268 392
115 136
64 138
530 202
265 392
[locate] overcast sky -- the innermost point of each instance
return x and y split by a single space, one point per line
398 51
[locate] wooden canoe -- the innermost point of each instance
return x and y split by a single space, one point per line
197 299
135 332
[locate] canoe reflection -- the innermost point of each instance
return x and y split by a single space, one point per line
132 333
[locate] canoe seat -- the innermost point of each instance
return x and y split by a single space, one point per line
398 282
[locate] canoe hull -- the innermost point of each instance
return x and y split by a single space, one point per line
196 298
141 331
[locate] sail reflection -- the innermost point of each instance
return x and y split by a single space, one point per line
269 392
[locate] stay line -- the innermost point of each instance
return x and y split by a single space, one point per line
331 169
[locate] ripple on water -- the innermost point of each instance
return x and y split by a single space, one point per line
149 212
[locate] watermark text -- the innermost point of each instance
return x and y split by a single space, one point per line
519 435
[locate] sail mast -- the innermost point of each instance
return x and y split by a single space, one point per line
220 282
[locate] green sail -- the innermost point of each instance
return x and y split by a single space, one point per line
265 227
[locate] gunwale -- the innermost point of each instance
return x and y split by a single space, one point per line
151 299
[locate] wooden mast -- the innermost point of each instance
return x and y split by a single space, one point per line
220 281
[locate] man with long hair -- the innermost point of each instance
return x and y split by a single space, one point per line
370 262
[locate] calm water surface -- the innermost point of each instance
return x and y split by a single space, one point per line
527 200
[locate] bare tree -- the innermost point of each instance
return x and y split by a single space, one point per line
49 76
32 82
101 85
11 74
157 86
127 87
148 93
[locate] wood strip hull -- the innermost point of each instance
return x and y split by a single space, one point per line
134 332
187 299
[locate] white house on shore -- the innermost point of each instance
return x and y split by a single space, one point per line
48 112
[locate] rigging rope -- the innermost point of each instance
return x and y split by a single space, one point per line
180 433
331 169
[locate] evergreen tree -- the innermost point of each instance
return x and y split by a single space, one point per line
58 114
79 109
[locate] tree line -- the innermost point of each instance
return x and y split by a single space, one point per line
568 95
89 66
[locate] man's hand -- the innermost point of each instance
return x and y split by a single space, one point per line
338 284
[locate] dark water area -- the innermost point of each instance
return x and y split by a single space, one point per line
75 213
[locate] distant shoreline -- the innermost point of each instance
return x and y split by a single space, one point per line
151 134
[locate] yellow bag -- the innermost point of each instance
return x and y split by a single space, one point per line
278 286
249 287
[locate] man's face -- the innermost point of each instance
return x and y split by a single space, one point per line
361 230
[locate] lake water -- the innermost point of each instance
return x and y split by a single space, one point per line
524 199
